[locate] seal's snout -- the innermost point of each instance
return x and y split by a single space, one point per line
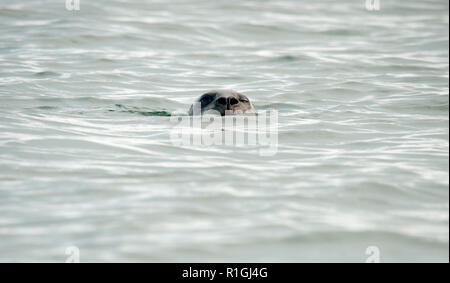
224 102
228 102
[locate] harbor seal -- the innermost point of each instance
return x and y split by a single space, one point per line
223 102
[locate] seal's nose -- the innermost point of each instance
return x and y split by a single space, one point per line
231 101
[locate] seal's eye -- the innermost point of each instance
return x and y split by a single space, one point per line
222 101
206 99
243 100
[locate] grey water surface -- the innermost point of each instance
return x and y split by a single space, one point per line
86 157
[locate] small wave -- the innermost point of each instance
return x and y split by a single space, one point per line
135 110
46 74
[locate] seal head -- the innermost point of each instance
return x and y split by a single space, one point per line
223 102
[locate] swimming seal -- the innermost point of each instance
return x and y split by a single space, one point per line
223 102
